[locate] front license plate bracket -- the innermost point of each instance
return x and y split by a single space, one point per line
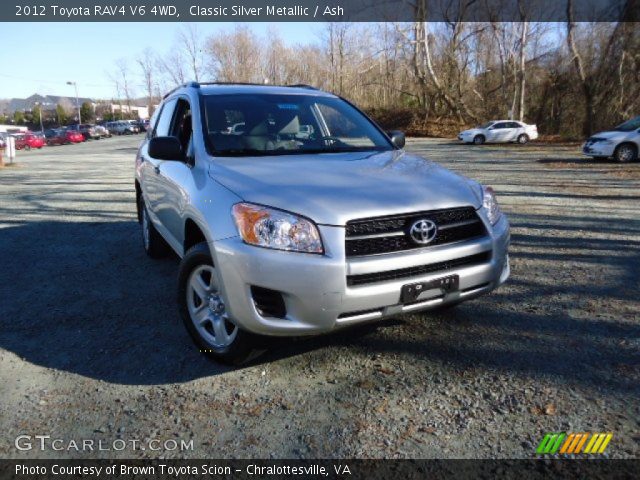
412 291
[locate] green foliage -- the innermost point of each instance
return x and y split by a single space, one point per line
35 114
18 117
86 112
62 115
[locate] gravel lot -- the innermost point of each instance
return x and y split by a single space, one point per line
91 346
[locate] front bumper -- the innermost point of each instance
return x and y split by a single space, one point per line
314 287
598 149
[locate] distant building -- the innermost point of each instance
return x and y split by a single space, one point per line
136 111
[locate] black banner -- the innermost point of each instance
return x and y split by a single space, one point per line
318 10
333 469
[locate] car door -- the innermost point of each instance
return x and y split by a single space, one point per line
163 178
499 132
172 196
513 130
150 167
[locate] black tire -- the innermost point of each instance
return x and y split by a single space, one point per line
523 138
478 140
152 242
27 147
243 347
625 153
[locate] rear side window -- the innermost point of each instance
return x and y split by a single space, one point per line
163 124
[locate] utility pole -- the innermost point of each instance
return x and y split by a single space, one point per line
75 85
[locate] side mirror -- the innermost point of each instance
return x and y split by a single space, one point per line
166 148
397 138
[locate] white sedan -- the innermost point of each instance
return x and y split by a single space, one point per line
622 143
500 131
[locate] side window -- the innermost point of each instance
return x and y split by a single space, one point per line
181 127
163 124
514 125
500 125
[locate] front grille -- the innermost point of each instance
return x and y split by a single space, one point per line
353 280
391 234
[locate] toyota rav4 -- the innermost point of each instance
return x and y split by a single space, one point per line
307 219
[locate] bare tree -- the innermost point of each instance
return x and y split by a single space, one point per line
191 44
147 67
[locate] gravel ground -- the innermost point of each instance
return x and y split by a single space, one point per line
91 346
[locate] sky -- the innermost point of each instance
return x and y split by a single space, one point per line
42 57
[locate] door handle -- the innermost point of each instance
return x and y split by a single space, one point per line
156 169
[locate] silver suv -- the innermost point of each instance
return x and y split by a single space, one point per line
285 230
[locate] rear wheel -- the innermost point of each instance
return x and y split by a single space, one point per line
153 243
523 138
625 153
478 140
203 311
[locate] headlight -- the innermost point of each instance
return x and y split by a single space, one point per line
490 204
271 228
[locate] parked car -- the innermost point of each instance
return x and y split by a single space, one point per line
73 136
141 124
87 130
55 137
500 131
28 141
622 143
102 131
122 128
280 235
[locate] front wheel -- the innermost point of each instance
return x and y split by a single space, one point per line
625 153
478 140
523 138
203 311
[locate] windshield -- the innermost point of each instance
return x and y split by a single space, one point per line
268 124
486 125
629 125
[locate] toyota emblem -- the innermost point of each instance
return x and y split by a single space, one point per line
423 231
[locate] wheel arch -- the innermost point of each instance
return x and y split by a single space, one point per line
193 234
634 144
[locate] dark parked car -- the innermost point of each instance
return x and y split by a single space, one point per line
55 137
87 130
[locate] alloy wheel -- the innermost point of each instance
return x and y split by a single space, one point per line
207 310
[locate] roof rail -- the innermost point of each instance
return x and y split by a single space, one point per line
302 85
198 84
183 85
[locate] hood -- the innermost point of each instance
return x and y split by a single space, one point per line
472 131
611 135
334 188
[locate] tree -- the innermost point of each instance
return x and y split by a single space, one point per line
18 117
191 44
36 113
146 64
86 112
62 115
